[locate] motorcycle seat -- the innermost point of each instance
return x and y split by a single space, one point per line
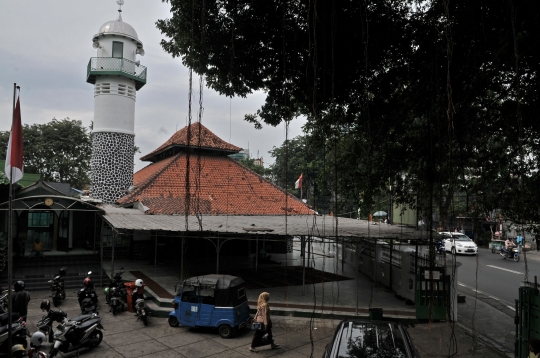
4 318
4 329
81 318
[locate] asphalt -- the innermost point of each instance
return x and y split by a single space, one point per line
304 318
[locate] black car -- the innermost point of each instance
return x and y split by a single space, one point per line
373 339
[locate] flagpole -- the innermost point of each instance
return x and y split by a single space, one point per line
10 237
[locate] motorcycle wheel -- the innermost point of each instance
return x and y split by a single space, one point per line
145 320
56 301
453 251
173 321
113 309
95 339
516 258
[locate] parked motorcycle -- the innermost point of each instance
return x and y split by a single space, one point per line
142 310
4 301
87 296
72 335
19 332
44 325
117 283
58 292
117 301
510 254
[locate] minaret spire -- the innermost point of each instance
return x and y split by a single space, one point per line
120 3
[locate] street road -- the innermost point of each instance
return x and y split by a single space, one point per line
494 276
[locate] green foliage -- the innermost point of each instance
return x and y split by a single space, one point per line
59 150
437 100
250 163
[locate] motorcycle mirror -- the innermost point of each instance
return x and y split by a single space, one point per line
89 273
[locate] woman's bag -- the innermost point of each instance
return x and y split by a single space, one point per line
257 326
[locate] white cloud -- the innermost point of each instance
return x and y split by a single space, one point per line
45 47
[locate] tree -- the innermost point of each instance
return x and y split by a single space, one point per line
250 163
59 150
435 98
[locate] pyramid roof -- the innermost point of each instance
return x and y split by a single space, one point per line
217 185
200 139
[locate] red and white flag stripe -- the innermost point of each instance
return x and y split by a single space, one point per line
14 157
298 183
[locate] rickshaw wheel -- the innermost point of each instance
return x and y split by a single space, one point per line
225 331
173 321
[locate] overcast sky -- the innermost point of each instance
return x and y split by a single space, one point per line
45 47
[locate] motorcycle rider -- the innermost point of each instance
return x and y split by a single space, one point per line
137 293
20 299
508 245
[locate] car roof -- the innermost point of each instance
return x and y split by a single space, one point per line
375 336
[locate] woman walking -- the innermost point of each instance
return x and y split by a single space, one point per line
263 315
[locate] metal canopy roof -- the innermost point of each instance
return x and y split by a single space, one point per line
294 225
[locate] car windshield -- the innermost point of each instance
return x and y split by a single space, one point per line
462 238
372 340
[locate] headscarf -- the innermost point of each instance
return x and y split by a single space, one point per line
263 299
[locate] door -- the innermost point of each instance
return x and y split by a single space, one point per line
189 309
40 226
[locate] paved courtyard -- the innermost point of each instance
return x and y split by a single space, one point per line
125 337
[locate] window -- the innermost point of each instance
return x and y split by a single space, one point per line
40 219
117 49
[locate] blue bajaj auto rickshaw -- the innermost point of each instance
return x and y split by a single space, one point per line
211 301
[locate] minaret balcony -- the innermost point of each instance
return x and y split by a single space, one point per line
103 66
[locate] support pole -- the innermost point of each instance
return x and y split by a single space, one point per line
101 252
155 253
302 249
356 273
10 240
391 246
257 253
182 262
308 243
218 247
112 253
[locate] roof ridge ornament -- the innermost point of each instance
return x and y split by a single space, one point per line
120 3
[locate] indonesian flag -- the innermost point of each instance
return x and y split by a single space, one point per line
14 157
298 183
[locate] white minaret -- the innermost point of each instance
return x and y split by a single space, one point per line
117 77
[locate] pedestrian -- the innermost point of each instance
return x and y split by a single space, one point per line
534 348
20 299
264 336
37 248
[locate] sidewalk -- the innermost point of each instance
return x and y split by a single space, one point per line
323 305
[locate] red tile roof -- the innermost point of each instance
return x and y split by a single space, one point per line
208 141
221 187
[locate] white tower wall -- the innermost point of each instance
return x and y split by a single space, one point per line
106 43
114 105
116 76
